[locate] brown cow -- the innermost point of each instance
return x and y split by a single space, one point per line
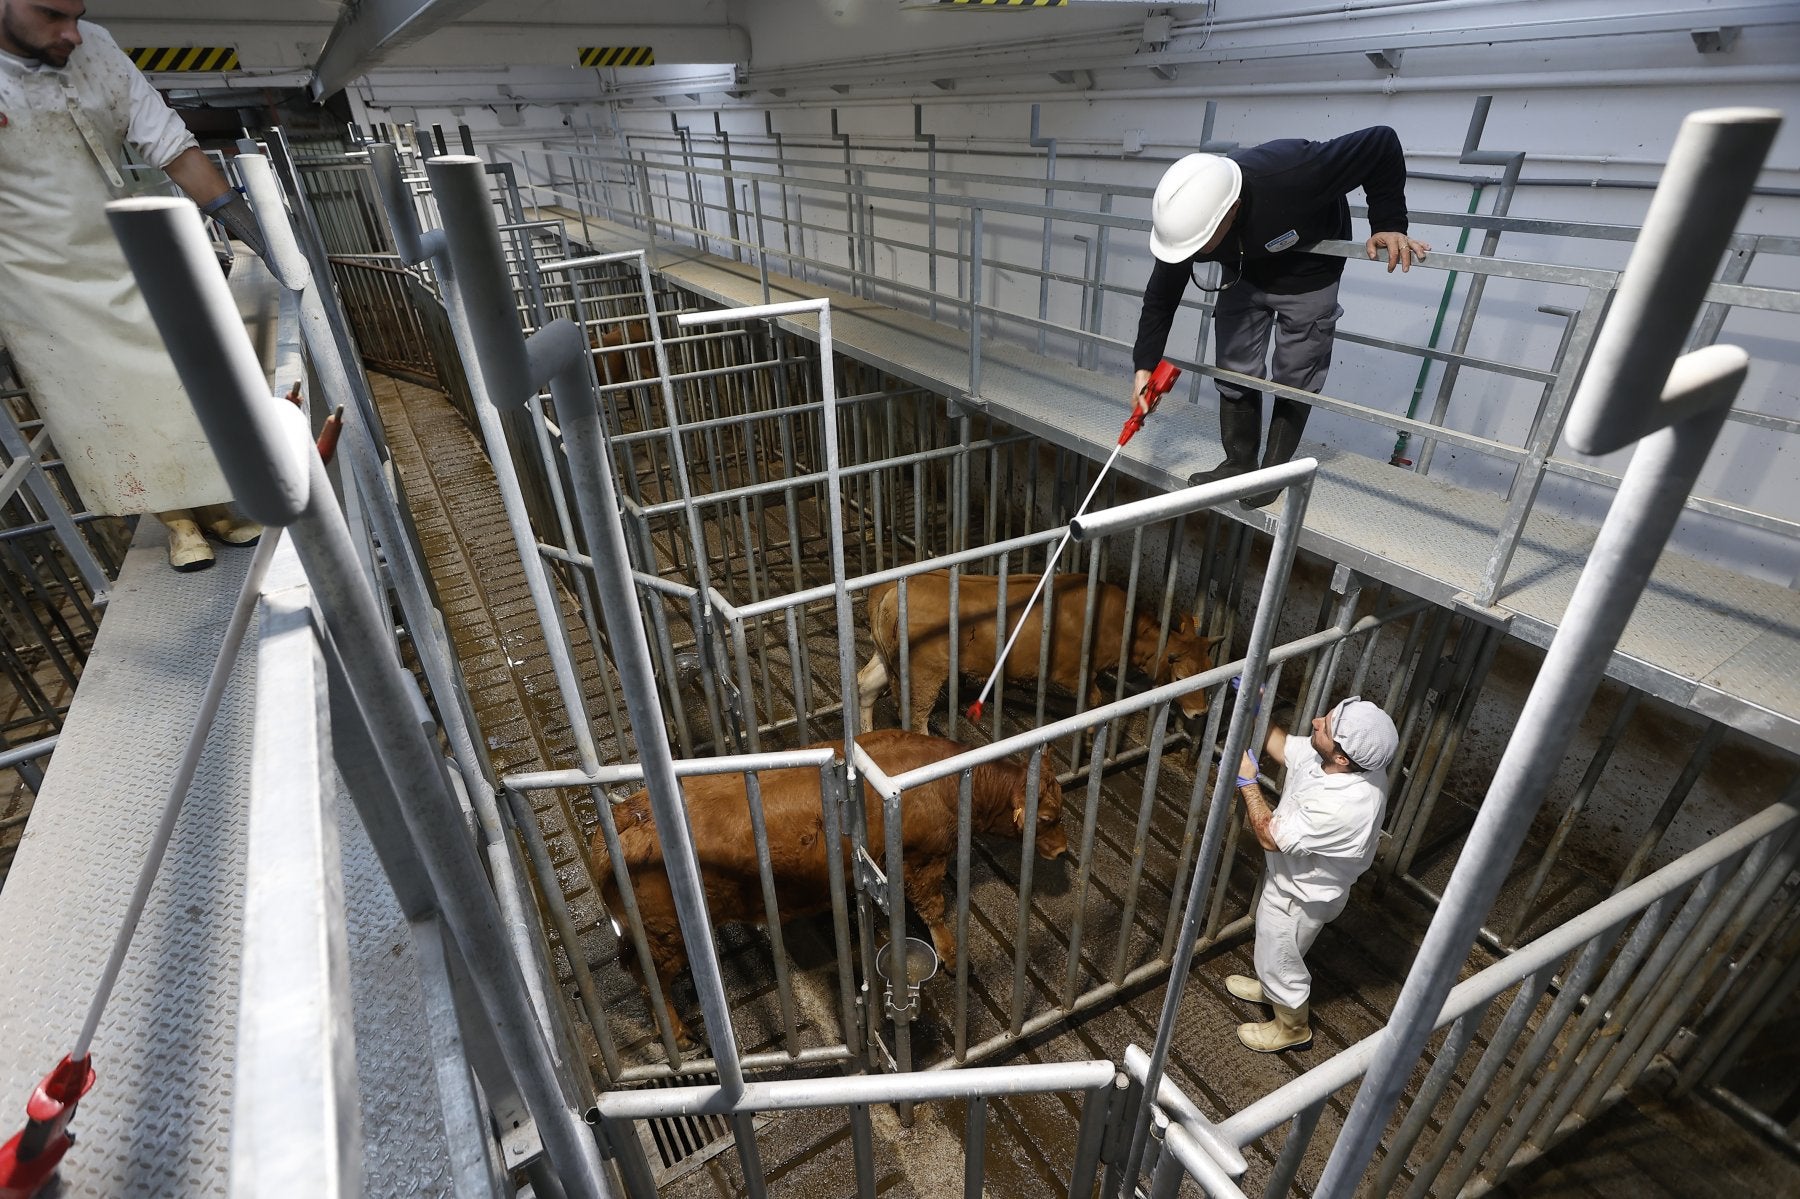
928 639
719 815
615 365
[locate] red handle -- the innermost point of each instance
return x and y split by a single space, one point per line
31 1156
1161 380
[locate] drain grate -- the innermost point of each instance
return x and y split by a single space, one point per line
677 1145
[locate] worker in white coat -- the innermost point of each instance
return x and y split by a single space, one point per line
71 315
1316 844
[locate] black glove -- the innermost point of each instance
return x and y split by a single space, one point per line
232 211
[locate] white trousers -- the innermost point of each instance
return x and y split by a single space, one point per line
1285 930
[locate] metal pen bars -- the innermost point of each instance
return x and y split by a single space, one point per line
843 255
421 838
1593 1005
724 409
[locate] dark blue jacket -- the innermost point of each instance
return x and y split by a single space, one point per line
1294 193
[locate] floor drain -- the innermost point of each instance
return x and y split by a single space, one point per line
679 1144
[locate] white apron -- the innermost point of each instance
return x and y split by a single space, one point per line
71 313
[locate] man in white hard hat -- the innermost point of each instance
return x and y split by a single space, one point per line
1247 211
70 311
1316 844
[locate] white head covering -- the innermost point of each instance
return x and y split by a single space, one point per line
1364 732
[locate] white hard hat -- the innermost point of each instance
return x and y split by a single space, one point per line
1193 197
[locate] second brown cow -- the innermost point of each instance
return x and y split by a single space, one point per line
928 639
725 847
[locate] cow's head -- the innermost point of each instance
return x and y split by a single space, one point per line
1051 841
1186 654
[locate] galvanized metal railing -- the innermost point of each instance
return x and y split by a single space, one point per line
1715 162
1594 1003
396 775
626 185
489 328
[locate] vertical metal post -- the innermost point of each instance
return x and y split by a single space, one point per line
975 308
1262 636
930 140
1048 144
1711 170
509 367
1293 1151
1511 162
975 1147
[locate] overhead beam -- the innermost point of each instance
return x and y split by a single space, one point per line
368 32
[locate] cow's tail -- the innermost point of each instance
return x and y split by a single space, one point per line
884 622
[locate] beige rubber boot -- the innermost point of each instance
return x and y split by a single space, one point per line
222 524
1290 1029
188 550
1245 988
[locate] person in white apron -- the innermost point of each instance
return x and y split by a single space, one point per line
71 315
1316 844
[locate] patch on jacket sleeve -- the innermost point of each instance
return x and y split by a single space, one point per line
1278 244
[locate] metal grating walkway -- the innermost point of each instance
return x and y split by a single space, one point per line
158 1119
1705 638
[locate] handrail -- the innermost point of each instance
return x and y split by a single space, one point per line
1325 1079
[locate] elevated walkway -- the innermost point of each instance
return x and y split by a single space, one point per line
158 1121
1719 643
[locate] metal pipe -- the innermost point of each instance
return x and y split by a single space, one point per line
1481 1079
1644 896
1293 1151
834 495
202 329
975 244
1603 752
550 886
798 1094
457 878
560 352
1712 166
975 1147
1262 635
1443 1069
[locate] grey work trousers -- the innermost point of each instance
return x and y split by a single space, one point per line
1304 326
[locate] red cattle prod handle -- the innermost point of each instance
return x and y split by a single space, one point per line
1161 380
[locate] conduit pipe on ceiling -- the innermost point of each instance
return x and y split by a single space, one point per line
1096 41
1670 77
1339 13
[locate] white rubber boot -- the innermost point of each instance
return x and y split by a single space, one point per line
222 524
1245 988
188 550
1290 1029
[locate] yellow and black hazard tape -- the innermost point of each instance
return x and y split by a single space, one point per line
184 58
618 56
1007 3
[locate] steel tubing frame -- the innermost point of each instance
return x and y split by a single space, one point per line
512 369
369 488
1601 1000
407 805
1533 457
1033 743
1712 167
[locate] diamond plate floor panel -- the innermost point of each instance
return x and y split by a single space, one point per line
157 1122
1702 637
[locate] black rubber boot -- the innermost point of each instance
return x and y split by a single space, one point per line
1240 430
1285 426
